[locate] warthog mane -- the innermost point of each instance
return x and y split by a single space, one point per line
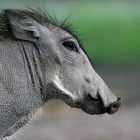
41 16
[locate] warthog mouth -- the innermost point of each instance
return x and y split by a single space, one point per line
89 104
95 106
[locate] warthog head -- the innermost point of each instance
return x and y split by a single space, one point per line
66 70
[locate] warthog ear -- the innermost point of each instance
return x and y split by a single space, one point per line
23 27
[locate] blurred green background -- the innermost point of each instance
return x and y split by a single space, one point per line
110 29
110 32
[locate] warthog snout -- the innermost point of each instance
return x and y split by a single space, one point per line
96 106
99 99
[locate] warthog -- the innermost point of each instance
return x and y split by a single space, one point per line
40 60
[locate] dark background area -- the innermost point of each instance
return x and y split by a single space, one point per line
110 32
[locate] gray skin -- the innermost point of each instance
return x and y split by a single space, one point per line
37 67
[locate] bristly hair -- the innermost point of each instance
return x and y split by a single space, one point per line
4 30
44 17
41 16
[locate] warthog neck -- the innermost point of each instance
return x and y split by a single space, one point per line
21 83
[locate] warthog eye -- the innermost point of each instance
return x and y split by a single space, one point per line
70 45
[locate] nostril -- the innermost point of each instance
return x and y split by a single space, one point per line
119 99
114 106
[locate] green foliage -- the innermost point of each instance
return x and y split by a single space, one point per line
115 44
111 32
